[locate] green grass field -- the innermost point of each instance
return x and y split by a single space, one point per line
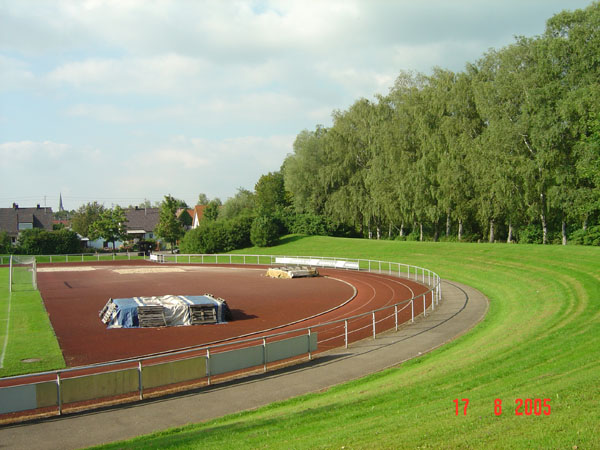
539 340
30 336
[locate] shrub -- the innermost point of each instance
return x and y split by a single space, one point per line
264 231
65 241
209 237
530 234
41 242
413 236
218 236
238 232
589 236
5 242
309 224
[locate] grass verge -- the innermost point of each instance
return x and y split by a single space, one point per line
540 340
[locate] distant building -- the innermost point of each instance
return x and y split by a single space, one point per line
140 225
141 222
16 219
197 215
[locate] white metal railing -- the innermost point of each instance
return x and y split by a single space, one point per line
329 332
79 257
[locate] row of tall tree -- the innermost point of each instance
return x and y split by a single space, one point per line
507 149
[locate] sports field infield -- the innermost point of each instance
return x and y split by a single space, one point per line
529 370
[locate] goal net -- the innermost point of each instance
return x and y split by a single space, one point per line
22 274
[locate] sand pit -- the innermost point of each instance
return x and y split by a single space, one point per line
65 269
148 270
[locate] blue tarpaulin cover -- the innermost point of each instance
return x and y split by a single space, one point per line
124 312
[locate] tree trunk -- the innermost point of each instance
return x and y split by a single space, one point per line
436 232
378 232
402 229
421 232
491 231
390 231
585 225
544 229
510 232
370 233
543 218
460 229
564 233
447 224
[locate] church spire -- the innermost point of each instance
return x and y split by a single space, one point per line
60 203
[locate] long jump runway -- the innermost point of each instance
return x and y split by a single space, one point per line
74 294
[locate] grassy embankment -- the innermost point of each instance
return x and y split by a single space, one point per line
539 340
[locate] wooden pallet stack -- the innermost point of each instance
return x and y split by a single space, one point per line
203 314
151 316
108 312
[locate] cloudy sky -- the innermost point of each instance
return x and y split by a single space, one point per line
125 100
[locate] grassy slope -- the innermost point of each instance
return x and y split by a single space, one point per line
540 339
30 332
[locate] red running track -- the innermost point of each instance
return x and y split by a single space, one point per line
74 294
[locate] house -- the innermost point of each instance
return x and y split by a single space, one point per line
16 219
141 223
190 213
197 215
140 226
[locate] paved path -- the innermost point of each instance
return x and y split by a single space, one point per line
462 308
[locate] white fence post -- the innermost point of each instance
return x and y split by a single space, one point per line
10 271
373 324
58 393
140 381
208 365
265 355
346 333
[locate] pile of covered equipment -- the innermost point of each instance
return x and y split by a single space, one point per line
292 272
164 311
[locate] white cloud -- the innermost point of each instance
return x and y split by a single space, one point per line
252 152
178 159
187 166
14 74
12 153
161 74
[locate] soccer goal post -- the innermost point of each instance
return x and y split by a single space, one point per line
22 273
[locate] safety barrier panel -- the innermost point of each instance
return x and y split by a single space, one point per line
80 388
70 386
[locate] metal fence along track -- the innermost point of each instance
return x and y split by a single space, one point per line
89 385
